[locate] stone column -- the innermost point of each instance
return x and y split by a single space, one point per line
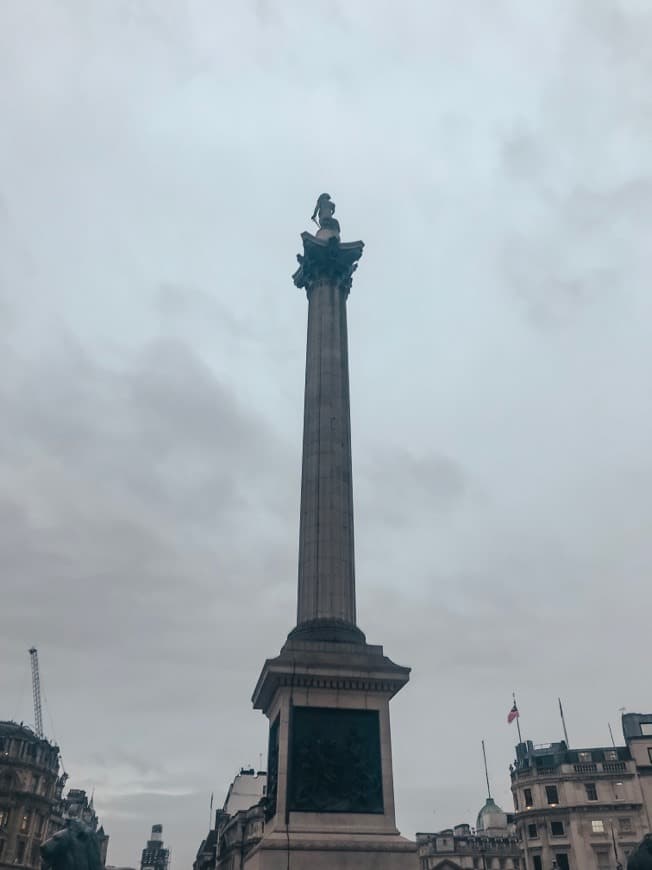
326 597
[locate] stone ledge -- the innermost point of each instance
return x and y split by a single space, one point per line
329 666
337 842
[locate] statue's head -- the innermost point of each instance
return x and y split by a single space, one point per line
75 847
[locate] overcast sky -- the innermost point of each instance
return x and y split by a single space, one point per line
157 163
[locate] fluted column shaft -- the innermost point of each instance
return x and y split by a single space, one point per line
326 551
326 598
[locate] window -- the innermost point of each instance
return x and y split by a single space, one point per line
38 830
532 832
551 794
611 755
649 753
591 791
20 851
562 861
646 729
2 847
4 817
515 801
536 861
618 791
24 822
35 856
584 757
603 860
36 781
597 826
527 795
557 829
625 825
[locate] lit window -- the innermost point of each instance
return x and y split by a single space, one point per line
597 826
551 794
24 823
591 791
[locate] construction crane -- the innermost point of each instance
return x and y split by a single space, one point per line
36 690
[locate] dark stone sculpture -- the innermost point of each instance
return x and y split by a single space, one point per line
335 761
272 770
641 859
323 214
75 847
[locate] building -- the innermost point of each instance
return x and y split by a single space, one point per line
238 825
30 795
492 845
76 805
155 856
585 809
247 789
637 731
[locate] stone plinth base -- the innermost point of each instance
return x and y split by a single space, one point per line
280 851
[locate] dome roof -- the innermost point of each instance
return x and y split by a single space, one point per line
491 817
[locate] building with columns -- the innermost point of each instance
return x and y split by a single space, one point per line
30 795
584 809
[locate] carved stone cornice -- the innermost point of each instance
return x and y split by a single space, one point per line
331 666
327 260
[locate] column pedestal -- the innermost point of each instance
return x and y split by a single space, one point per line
330 797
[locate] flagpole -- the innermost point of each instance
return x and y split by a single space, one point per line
611 734
210 815
486 771
563 722
518 719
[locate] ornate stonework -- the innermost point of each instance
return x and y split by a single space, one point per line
327 260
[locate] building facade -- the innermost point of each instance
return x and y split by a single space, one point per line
30 795
155 856
238 825
491 845
584 809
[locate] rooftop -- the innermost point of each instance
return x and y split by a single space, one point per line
549 756
21 730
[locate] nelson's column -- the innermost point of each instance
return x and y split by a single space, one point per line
330 801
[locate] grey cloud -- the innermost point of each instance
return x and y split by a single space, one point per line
161 161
